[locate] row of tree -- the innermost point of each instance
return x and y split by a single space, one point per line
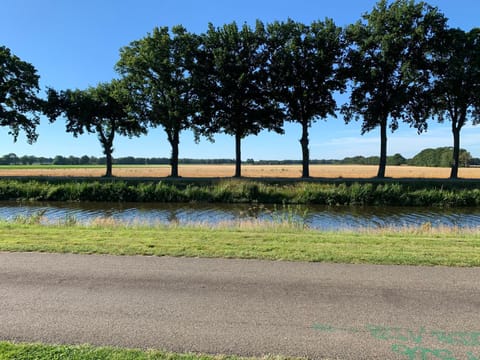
13 159
400 62
439 157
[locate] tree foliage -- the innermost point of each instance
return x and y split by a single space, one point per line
232 82
390 68
439 157
158 71
457 84
102 110
303 66
19 104
401 61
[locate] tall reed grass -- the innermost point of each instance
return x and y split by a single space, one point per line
246 191
280 222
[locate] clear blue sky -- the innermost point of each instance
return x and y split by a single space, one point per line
75 44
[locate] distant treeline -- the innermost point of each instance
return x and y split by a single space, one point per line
439 157
13 159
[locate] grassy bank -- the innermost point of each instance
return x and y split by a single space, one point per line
12 351
406 193
424 246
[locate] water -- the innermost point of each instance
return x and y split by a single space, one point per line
319 217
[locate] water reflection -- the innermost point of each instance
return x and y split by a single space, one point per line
319 217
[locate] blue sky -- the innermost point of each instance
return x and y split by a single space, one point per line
75 44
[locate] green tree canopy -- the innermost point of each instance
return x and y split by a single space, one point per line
457 84
157 69
389 65
439 157
102 110
396 160
19 104
303 67
232 83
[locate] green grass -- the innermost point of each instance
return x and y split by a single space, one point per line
448 247
412 193
13 351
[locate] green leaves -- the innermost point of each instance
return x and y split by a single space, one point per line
19 104
103 110
158 70
389 62
303 65
457 83
401 63
232 82
387 58
457 80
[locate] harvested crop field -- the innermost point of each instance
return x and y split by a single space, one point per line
254 171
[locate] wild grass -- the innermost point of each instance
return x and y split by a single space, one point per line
254 239
247 191
24 351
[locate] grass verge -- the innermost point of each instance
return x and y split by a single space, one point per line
11 351
412 193
423 246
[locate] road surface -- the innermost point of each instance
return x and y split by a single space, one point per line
244 307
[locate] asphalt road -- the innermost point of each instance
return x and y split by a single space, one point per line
242 307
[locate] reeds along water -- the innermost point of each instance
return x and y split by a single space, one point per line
281 222
244 191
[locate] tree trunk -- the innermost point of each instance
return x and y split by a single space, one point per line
174 141
383 149
107 144
456 152
238 156
108 154
305 151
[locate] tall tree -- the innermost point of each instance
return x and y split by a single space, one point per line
102 110
231 80
19 104
158 71
304 63
457 84
389 62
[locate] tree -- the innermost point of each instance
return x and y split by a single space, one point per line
439 157
12 159
231 81
465 158
158 71
303 65
27 160
19 104
102 110
457 84
389 62
396 160
59 160
84 160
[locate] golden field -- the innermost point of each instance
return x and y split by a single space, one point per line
254 171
